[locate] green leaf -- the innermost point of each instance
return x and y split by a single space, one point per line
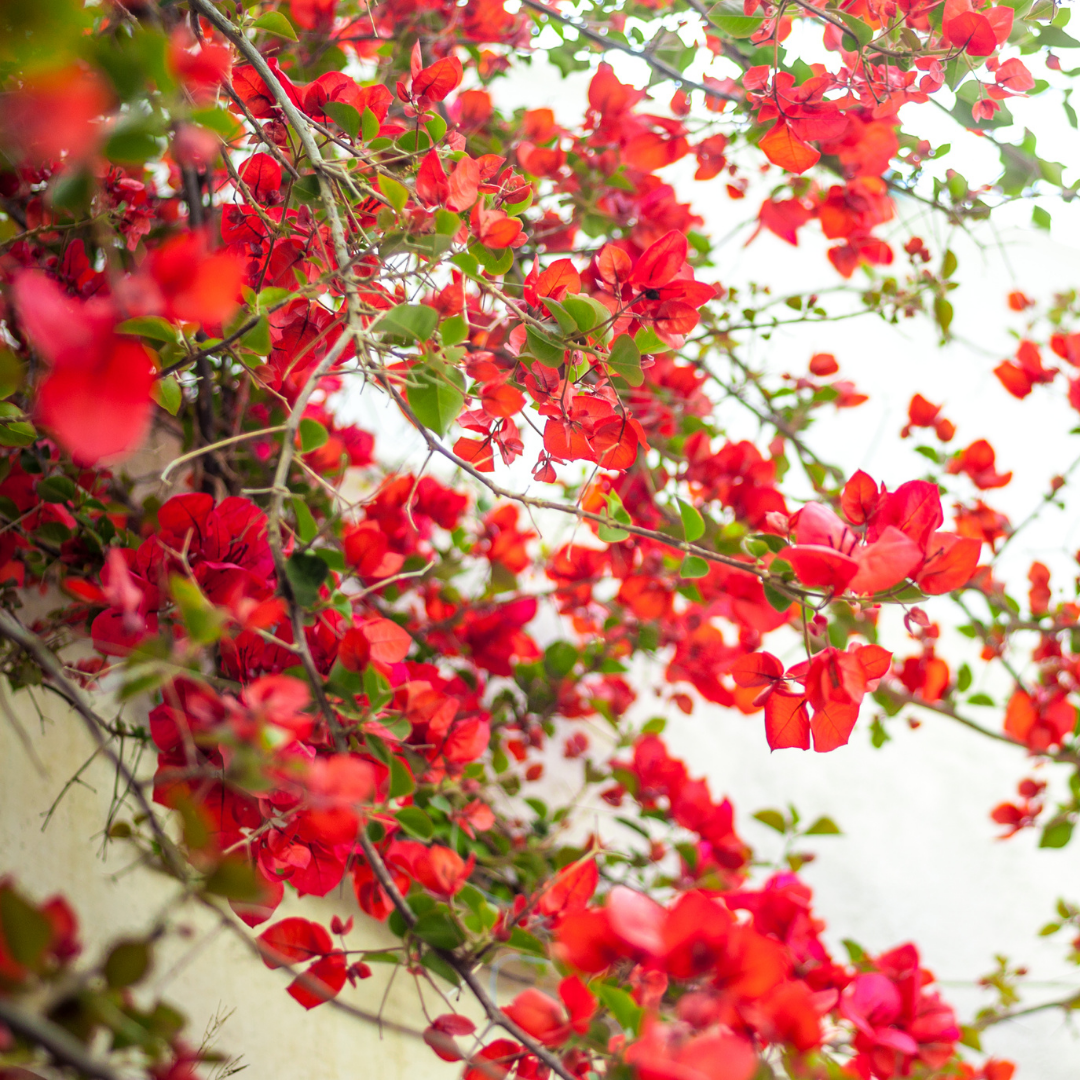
963 678
943 313
1040 218
524 942
153 327
693 566
396 194
167 393
435 963
436 128
730 20
345 116
257 339
369 125
415 822
312 435
777 600
56 489
235 879
306 528
692 522
454 330
306 573
401 781
131 147
126 964
981 699
1056 835
948 264
774 819
862 33
621 1005
414 322
273 22
438 929
824 826
647 342
560 658
433 396
625 360
200 617
27 932
546 349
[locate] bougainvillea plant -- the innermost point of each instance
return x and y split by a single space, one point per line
221 224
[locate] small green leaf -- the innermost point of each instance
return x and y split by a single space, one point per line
414 322
257 339
396 194
435 963
56 489
401 781
167 393
693 566
345 116
127 963
981 699
415 822
773 818
862 33
201 619
436 128
824 826
306 573
273 22
151 326
369 125
235 879
622 1006
434 395
306 528
438 929
524 942
27 932
560 658
544 348
692 522
1040 218
777 600
1056 835
312 435
625 360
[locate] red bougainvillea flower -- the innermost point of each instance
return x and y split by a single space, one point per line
296 941
96 396
834 682
899 541
549 1021
669 1052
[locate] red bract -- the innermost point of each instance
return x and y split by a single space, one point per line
96 397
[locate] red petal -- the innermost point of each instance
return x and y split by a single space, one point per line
950 562
758 669
832 725
886 562
329 977
660 262
859 498
787 723
389 642
821 567
784 148
293 941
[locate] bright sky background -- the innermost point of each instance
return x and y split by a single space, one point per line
918 860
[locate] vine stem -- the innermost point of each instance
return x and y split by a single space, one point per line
12 629
462 966
273 531
61 1044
